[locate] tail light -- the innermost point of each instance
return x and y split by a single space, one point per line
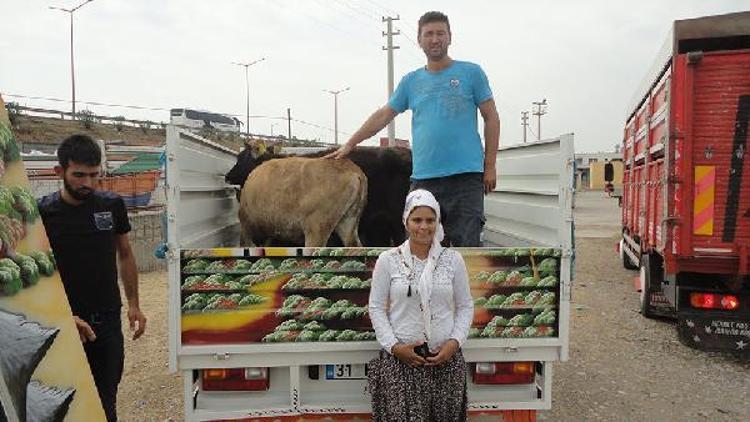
714 301
236 379
503 373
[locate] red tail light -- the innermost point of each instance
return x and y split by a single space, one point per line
236 379
503 373
714 301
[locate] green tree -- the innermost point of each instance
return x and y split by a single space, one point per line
119 123
87 118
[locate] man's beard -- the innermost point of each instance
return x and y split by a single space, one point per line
81 194
436 57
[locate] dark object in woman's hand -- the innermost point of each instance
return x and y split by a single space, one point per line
423 350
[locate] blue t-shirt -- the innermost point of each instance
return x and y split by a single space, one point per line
445 140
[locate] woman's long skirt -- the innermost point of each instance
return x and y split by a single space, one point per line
401 393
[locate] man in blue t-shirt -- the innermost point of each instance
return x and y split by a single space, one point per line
446 148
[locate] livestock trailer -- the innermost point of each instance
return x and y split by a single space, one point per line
686 195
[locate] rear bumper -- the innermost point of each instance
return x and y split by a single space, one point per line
711 331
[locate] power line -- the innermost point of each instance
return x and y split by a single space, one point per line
315 19
388 11
317 126
541 110
524 123
531 130
370 11
373 20
409 38
60 100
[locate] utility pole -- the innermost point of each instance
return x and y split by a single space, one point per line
247 87
289 122
524 123
336 112
72 67
541 110
389 20
272 125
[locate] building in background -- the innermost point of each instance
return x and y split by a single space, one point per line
399 142
590 170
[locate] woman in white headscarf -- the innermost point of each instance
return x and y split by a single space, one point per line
421 309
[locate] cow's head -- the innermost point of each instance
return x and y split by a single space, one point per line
251 157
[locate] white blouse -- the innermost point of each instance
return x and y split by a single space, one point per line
396 316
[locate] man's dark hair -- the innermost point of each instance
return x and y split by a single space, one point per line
80 149
430 17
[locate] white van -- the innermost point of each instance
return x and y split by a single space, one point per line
188 118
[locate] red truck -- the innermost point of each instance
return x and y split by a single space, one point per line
686 188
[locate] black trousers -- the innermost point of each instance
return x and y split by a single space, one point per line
106 356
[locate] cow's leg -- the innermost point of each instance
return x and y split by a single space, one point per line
316 239
347 230
317 228
348 226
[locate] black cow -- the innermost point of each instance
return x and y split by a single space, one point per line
387 170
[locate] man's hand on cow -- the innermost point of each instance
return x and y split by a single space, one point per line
490 179
341 152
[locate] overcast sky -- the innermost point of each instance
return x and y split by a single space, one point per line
585 57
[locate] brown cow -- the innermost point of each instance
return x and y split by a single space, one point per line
387 171
302 200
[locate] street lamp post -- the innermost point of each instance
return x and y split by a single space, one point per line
336 112
72 67
247 86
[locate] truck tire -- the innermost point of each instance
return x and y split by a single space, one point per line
626 263
647 278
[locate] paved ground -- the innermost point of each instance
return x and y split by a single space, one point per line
596 215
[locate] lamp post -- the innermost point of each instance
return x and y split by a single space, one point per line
247 86
72 67
336 112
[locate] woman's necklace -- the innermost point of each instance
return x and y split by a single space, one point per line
411 276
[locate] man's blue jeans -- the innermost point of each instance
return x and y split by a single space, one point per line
461 199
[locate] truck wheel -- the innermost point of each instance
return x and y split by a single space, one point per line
625 259
647 276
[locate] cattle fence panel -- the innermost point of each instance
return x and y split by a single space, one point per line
145 235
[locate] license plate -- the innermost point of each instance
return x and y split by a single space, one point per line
346 372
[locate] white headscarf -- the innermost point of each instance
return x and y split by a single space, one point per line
423 198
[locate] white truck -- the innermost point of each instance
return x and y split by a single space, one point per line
257 334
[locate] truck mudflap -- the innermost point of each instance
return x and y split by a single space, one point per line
715 333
